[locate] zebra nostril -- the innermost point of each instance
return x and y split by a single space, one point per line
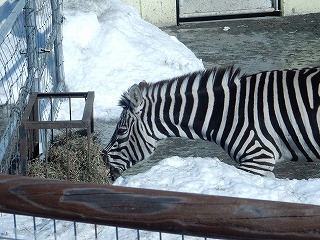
115 173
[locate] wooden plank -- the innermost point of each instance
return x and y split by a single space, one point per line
55 124
181 213
88 108
62 95
27 111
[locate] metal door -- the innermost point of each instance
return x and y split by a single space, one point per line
207 8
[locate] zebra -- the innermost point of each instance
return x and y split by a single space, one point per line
258 119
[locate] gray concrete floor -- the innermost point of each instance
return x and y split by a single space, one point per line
253 45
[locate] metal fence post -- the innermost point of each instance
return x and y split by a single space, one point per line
32 49
57 20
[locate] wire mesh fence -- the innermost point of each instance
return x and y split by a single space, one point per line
30 61
28 227
13 73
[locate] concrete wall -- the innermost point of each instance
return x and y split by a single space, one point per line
295 7
163 12
157 12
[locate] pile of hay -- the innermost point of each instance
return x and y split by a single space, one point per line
67 159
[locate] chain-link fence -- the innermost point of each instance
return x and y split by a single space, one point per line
31 60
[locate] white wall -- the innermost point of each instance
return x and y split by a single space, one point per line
157 12
163 12
296 7
202 8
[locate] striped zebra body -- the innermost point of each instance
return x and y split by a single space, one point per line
258 119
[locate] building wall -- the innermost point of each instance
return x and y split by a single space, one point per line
296 7
157 12
163 12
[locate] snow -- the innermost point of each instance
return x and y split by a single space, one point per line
107 48
211 176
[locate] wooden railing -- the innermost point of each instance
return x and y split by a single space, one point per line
164 211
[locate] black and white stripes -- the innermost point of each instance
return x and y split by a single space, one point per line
258 119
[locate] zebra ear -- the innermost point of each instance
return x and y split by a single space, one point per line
135 95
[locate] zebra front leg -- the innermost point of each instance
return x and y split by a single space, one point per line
261 166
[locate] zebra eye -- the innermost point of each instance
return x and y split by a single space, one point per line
122 130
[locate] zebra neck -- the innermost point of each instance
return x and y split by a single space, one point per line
190 114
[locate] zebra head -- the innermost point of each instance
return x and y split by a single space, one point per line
130 142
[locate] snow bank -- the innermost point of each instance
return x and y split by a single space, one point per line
211 176
108 48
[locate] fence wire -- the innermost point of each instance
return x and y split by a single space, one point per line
13 75
30 61
27 227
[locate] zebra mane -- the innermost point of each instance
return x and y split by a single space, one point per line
219 78
218 72
124 101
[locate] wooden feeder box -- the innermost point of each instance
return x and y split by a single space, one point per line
30 126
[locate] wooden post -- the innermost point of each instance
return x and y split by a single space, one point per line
164 211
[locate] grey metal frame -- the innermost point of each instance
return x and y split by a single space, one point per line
186 14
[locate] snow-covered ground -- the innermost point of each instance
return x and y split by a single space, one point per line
107 48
